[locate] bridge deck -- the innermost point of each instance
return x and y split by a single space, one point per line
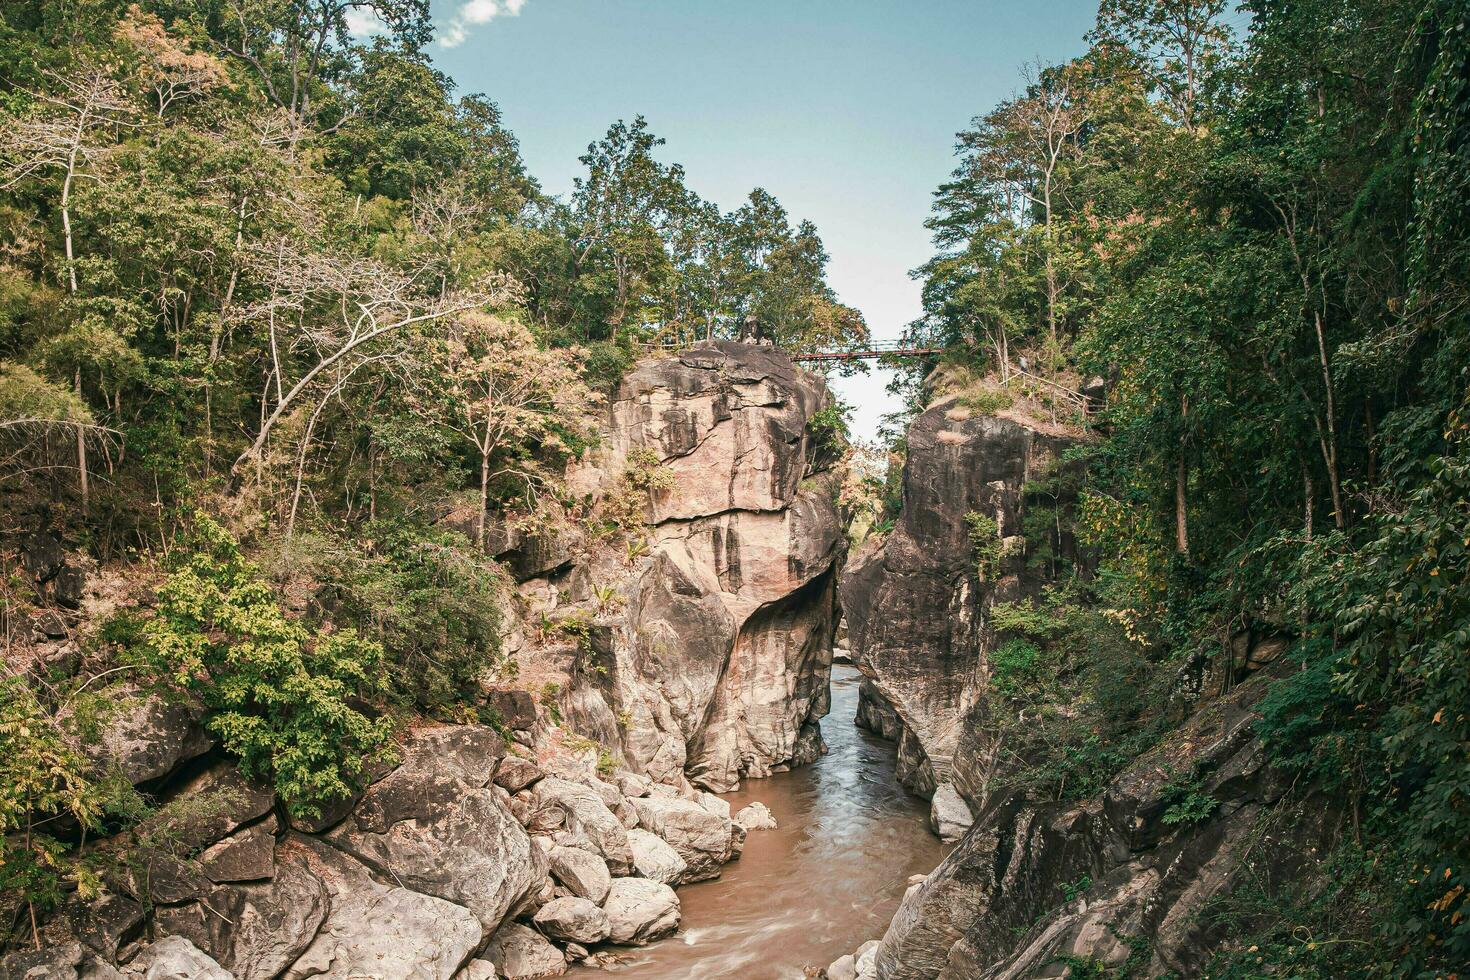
869 353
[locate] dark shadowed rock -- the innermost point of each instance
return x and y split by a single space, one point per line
147 734
914 603
998 905
254 930
70 961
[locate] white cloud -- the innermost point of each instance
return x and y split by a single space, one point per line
363 22
472 13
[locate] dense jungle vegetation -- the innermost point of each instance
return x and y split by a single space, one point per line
1252 225
278 308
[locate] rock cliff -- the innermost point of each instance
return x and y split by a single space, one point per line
1129 881
708 624
915 602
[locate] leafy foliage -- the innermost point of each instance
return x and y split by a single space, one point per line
281 700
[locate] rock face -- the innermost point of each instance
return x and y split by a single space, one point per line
378 930
719 664
915 604
436 826
1081 880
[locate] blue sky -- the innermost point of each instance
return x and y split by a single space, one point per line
846 110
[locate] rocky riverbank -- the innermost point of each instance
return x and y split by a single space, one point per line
670 633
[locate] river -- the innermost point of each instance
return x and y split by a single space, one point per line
828 880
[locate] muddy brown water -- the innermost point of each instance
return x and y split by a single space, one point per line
817 888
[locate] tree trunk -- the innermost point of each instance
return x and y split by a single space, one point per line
82 451
484 491
1334 483
1181 514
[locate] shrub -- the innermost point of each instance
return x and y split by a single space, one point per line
429 597
279 699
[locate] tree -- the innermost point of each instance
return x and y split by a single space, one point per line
337 310
512 400
1182 44
63 137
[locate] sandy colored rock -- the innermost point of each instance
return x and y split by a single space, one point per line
584 875
640 911
587 814
574 919
519 953
654 858
756 816
701 838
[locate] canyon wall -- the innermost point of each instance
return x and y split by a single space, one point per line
1128 881
710 627
914 601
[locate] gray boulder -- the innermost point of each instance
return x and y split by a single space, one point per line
437 826
586 813
519 953
640 911
702 838
574 919
654 858
948 813
174 958
378 930
584 875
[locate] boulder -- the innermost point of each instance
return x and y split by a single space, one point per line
147 734
584 875
756 816
69 961
174 958
640 911
515 774
247 855
102 927
949 815
519 953
702 838
477 970
378 930
435 825
255 930
843 968
573 919
516 707
587 814
653 857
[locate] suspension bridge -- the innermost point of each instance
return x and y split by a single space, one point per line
871 350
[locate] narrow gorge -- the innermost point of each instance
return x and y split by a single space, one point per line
1036 544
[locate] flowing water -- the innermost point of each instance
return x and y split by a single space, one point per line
827 881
